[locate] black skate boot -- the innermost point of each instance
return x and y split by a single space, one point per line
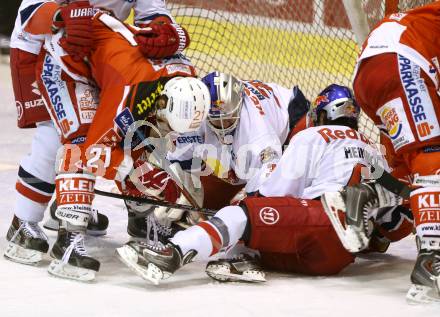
27 242
153 263
70 257
348 211
425 278
97 226
244 268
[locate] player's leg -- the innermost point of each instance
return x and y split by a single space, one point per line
35 183
272 225
72 106
425 205
199 241
35 186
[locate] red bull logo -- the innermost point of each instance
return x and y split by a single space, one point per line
321 99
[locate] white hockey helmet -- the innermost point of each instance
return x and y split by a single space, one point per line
187 103
226 102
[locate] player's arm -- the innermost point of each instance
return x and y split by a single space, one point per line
264 153
74 18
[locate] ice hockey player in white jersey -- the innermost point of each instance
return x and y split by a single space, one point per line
242 140
285 222
247 126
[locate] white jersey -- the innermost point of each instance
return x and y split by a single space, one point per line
257 140
317 160
144 10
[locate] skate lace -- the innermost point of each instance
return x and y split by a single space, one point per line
436 264
77 244
94 215
30 229
158 228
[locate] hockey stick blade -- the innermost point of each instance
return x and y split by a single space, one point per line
155 202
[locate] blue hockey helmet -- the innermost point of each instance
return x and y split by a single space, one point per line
337 101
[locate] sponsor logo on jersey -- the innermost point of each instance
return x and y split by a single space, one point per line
79 140
144 103
178 68
58 94
269 215
330 135
124 120
190 139
419 100
87 101
34 103
395 121
392 122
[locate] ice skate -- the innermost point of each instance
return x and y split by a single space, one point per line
425 278
71 259
131 254
153 263
27 242
140 226
97 225
244 268
348 213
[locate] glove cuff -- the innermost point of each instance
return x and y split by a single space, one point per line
183 38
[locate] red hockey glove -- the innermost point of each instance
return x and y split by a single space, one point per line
76 19
152 181
162 40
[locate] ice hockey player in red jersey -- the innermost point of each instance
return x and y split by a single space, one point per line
286 221
101 139
397 83
35 184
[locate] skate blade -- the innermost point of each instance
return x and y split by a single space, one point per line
129 257
96 233
222 273
419 294
66 270
18 254
352 239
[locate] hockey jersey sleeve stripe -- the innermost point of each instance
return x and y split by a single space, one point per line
26 13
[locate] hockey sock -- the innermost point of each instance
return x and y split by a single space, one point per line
75 193
425 205
209 237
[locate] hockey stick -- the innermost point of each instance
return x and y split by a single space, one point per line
159 153
155 202
394 185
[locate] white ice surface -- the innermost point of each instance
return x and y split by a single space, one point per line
373 286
